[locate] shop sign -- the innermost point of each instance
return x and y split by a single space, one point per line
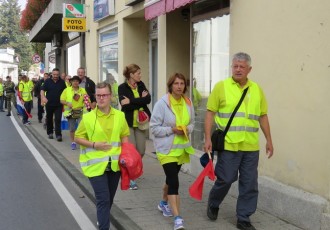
74 24
73 10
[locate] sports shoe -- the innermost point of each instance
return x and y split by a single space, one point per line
244 225
8 115
73 145
133 185
178 223
212 213
163 207
50 136
59 138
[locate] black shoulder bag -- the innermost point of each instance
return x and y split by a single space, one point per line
218 136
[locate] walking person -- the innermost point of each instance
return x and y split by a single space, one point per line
100 135
241 150
50 94
88 84
9 88
134 97
37 90
172 121
25 96
1 95
73 100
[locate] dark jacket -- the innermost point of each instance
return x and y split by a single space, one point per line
135 103
37 87
90 89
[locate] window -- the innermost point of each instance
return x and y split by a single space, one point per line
210 64
108 51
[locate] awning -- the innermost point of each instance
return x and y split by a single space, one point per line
155 8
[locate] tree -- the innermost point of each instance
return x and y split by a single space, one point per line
11 35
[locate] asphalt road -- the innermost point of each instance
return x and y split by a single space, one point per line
35 192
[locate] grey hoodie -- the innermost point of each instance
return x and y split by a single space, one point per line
161 123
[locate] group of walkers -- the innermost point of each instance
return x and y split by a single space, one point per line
102 132
103 128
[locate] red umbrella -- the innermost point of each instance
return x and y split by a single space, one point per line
196 189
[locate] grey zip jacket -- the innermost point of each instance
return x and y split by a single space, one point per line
163 120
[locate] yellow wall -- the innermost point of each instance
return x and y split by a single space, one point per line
289 45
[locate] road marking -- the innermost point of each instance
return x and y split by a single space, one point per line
80 216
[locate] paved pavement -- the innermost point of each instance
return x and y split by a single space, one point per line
137 209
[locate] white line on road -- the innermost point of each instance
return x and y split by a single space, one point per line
81 218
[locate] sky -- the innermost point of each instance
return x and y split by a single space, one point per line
22 3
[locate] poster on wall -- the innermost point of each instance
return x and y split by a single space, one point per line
103 8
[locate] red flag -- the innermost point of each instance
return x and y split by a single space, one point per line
196 189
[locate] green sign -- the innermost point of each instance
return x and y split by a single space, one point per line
73 10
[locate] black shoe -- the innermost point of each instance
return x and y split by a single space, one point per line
40 121
8 115
59 138
212 213
244 225
50 136
2 110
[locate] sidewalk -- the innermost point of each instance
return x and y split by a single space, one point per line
137 209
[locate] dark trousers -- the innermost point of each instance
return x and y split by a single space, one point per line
57 112
228 165
105 187
28 106
1 102
40 109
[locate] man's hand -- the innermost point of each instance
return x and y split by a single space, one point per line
269 149
207 146
103 146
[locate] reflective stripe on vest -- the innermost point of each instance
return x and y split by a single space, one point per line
245 125
94 162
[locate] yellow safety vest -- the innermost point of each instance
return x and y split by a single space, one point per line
245 125
181 143
94 162
26 92
75 105
1 89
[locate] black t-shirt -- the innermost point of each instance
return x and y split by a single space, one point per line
53 91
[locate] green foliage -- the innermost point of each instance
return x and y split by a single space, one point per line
11 35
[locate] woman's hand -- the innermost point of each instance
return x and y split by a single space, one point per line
103 146
177 131
125 101
145 93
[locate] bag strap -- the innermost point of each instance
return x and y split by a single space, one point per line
234 112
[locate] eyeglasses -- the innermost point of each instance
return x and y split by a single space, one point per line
102 95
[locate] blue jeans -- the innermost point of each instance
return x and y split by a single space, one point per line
228 165
105 187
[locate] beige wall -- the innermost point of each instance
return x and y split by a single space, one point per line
135 45
289 45
178 45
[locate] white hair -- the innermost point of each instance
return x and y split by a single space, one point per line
242 57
